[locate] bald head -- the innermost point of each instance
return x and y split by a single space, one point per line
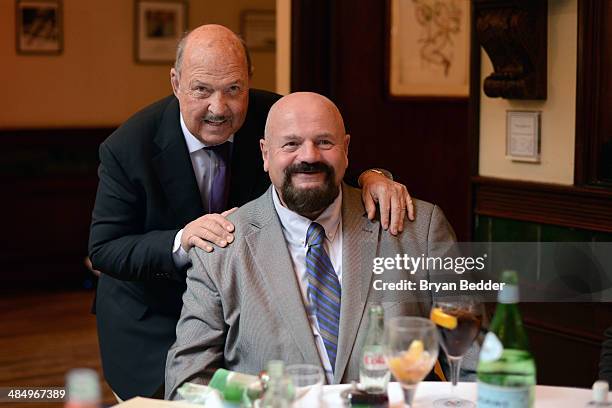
211 81
304 106
305 151
212 37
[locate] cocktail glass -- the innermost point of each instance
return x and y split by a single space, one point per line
458 323
411 351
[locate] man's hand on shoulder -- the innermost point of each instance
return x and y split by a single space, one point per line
392 197
209 230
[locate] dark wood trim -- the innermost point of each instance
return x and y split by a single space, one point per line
513 33
311 42
587 90
53 136
580 336
473 114
52 177
569 206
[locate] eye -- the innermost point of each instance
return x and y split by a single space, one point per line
200 91
325 143
290 146
234 90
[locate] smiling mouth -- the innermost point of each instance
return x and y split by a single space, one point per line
308 176
215 122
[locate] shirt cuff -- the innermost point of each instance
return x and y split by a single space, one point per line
380 171
179 255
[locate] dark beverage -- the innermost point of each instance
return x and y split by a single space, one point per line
458 329
355 397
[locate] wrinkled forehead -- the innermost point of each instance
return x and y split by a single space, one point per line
305 122
216 55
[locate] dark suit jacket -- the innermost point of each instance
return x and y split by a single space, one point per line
146 194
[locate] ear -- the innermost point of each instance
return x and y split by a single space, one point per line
174 81
263 145
347 141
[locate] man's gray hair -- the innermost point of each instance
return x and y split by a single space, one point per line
180 48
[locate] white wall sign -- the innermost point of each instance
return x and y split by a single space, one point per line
523 136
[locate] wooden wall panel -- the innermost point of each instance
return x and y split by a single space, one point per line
423 142
50 180
576 207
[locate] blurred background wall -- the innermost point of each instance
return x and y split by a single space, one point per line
95 81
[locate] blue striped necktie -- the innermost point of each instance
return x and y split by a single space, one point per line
323 290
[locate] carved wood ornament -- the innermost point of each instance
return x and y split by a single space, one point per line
514 35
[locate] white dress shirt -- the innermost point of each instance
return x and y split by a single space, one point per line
204 163
295 228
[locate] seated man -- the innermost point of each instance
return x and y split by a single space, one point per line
291 286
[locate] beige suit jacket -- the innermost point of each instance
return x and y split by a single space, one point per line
243 305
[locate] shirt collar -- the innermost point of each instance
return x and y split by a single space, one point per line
193 143
296 226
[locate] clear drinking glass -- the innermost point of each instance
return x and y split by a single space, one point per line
411 350
308 382
458 323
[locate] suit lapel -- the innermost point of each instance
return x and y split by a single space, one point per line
246 159
174 168
359 244
276 270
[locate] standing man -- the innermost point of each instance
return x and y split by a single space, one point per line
167 178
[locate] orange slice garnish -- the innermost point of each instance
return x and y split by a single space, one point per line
443 319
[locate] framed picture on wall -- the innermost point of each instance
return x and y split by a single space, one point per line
428 48
258 28
38 27
158 28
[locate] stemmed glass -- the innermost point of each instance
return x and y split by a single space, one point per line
458 322
411 351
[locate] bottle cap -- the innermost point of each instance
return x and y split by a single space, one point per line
600 391
510 276
376 310
276 368
509 293
83 386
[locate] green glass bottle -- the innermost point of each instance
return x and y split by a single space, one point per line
506 369
232 384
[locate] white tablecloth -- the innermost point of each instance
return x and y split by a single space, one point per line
427 392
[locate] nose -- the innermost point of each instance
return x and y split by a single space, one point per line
217 104
309 152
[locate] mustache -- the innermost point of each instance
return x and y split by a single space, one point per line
211 117
316 167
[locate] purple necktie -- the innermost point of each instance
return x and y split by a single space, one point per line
218 194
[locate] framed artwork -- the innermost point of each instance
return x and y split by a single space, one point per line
38 27
158 28
428 48
258 28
